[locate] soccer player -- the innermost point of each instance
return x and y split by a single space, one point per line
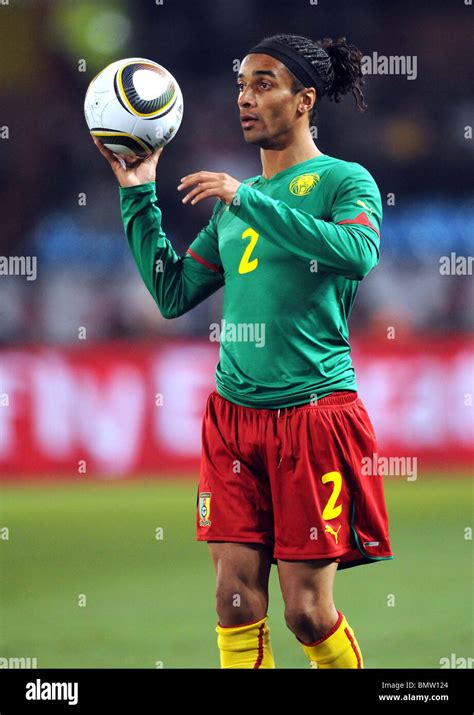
285 432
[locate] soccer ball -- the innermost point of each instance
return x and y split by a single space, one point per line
134 106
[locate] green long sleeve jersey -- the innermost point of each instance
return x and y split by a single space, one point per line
290 252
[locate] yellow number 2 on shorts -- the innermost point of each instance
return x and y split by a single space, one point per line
331 511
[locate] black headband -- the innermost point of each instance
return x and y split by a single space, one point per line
296 63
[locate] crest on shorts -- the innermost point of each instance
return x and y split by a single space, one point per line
204 508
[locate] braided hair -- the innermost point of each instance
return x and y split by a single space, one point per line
338 63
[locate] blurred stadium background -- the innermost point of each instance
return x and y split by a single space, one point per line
102 399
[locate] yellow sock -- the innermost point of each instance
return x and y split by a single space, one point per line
245 646
337 649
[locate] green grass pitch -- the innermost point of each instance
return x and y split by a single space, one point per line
150 601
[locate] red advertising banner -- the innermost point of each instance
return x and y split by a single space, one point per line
119 409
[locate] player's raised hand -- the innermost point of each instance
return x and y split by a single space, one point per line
208 183
130 172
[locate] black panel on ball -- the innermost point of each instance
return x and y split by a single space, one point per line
138 104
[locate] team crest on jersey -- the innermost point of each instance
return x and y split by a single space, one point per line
303 184
204 508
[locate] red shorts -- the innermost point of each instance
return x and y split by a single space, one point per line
291 478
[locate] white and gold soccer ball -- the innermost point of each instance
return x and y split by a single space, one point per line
134 106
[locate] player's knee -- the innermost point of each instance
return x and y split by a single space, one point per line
309 623
237 602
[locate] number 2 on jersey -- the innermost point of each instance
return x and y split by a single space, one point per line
245 265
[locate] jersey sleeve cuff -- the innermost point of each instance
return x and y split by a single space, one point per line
149 187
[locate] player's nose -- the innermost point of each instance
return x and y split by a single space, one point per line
246 98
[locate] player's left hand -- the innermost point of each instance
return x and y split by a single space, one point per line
208 183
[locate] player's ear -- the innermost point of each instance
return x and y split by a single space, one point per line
307 100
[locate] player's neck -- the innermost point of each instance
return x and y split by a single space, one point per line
276 160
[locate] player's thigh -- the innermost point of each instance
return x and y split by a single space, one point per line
242 563
307 585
